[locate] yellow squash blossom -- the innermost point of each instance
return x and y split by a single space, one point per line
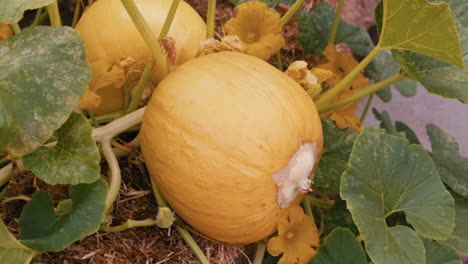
258 27
340 64
5 31
296 234
344 116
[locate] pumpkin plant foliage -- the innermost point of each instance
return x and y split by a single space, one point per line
38 88
377 194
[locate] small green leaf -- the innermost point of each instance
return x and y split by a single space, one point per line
43 229
452 167
12 11
340 246
64 207
339 216
75 158
387 175
422 27
406 87
440 254
385 122
334 160
43 74
408 132
12 251
459 237
397 128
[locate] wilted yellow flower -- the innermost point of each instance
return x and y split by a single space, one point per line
227 43
258 27
340 64
104 76
296 234
5 31
310 80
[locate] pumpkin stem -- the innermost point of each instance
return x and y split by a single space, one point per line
296 176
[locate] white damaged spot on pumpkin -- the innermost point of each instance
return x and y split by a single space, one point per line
296 176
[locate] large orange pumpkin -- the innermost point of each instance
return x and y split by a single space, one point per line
109 35
216 133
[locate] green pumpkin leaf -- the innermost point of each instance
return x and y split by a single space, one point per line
12 251
75 158
421 27
436 76
339 216
459 238
406 87
383 67
440 254
12 11
452 167
340 246
43 74
334 160
45 230
314 29
388 175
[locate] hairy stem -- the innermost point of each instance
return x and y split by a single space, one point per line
363 93
169 19
157 194
119 125
5 174
16 28
341 85
279 61
182 231
115 177
192 244
259 252
336 22
318 202
54 14
366 108
307 207
290 13
210 19
146 33
145 77
37 17
94 121
110 116
130 224
76 13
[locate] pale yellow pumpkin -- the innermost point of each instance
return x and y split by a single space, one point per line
215 131
109 35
